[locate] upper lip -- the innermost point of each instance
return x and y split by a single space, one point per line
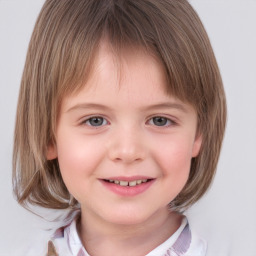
131 178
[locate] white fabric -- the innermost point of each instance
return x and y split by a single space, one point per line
67 243
161 250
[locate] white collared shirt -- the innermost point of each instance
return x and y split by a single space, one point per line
182 243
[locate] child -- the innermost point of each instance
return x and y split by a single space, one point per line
120 119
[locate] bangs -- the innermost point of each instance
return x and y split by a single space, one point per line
127 24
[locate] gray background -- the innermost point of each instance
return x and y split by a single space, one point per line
226 214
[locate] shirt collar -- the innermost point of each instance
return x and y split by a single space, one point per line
178 244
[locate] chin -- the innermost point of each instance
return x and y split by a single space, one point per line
127 217
127 221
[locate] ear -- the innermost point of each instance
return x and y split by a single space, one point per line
197 145
51 152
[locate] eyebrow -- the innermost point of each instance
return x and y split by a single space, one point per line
87 106
171 105
178 106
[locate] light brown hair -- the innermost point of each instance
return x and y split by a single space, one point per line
63 44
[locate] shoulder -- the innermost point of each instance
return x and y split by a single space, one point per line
198 245
188 242
66 240
62 241
59 242
183 242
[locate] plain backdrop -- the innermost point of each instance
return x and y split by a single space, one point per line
226 214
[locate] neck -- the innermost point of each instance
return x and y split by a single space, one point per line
103 238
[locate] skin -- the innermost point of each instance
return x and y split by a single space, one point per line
126 94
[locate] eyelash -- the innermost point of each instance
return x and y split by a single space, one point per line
87 121
151 121
168 121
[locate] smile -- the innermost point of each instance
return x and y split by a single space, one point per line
132 183
128 186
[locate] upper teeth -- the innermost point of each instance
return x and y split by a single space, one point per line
128 183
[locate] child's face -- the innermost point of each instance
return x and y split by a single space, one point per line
123 127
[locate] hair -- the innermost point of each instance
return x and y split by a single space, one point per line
64 42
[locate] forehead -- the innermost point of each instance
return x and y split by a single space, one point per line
122 68
126 64
132 78
131 72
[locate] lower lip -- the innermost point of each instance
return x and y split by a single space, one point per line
127 190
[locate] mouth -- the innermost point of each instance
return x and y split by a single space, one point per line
132 183
128 186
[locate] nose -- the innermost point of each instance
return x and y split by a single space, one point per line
127 146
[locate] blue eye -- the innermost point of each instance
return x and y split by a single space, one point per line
96 121
160 121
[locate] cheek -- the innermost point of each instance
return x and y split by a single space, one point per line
175 157
175 168
78 162
78 158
